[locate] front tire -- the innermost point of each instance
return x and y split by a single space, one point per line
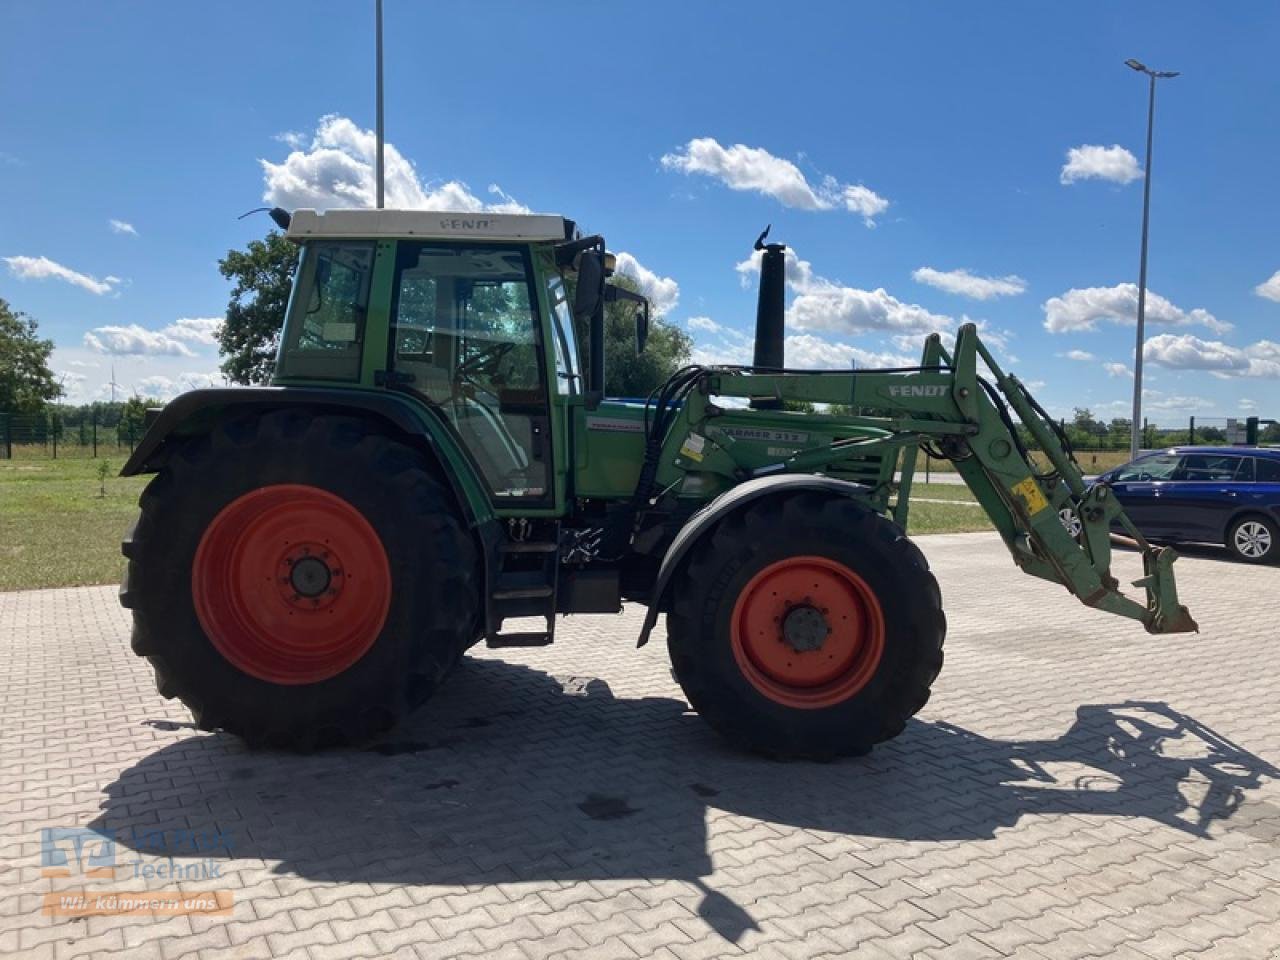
299 580
806 627
1254 539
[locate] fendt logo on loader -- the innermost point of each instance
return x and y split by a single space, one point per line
933 390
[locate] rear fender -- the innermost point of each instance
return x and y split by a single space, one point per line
194 414
701 523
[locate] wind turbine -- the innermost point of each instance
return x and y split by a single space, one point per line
113 383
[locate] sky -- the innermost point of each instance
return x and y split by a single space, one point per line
925 163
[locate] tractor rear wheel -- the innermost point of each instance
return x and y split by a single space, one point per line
300 580
806 627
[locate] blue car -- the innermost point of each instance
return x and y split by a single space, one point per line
1228 495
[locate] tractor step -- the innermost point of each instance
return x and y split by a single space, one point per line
524 593
526 547
533 639
524 583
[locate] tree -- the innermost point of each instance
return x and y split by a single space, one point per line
133 414
26 382
628 374
263 274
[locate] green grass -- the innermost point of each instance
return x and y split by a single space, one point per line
946 518
941 491
56 530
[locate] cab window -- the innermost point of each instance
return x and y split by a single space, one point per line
324 335
1159 466
566 344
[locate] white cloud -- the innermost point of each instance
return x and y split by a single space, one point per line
707 325
862 200
1117 369
966 284
1269 288
1081 309
849 310
1186 352
1093 162
663 292
1082 355
42 268
336 170
135 340
166 388
201 330
740 167
83 364
119 226
822 304
801 351
806 351
175 340
998 340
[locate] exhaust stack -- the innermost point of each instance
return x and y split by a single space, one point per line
770 311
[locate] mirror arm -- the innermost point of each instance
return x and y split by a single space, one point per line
565 252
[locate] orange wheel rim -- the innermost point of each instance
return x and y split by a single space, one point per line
291 584
807 632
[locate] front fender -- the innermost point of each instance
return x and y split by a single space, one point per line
736 499
194 413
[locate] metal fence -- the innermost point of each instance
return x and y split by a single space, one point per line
75 432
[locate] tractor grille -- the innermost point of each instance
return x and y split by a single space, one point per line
865 468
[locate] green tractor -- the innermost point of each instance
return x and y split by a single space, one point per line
436 464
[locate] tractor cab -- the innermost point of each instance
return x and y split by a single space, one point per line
470 314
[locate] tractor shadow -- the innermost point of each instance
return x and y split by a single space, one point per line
511 774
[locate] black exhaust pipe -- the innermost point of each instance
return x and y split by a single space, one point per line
770 311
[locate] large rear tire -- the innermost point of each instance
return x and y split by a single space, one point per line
299 580
806 627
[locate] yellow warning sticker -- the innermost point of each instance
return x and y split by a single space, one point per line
693 446
1029 492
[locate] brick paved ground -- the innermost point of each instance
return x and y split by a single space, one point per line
564 802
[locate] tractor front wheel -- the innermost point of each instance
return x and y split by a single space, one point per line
806 627
300 580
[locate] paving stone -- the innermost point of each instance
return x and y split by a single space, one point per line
1073 788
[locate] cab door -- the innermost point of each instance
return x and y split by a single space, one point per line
466 339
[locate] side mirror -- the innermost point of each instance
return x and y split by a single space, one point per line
586 298
588 308
642 328
613 294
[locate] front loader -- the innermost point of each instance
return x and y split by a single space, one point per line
437 464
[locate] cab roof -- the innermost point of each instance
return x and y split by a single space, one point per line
428 224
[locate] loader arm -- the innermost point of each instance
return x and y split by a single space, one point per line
948 407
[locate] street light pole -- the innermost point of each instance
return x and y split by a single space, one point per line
1135 439
378 172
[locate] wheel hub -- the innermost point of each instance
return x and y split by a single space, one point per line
309 576
805 628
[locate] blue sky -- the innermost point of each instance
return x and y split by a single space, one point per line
890 146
